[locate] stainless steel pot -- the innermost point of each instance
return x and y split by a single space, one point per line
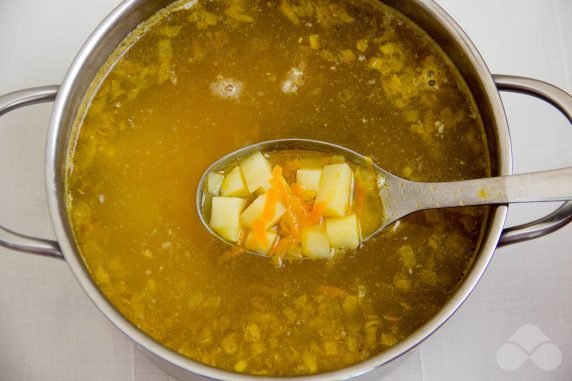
428 16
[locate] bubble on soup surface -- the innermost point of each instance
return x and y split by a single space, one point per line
226 88
294 79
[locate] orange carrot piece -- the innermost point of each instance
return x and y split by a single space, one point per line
260 232
295 207
276 180
297 190
315 215
272 198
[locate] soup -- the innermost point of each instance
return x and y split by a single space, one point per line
201 79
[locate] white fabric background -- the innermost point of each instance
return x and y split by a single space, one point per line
50 331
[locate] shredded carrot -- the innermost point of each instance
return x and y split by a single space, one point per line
297 189
272 198
298 213
315 215
258 228
276 180
296 208
291 224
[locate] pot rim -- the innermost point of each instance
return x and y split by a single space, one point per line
57 208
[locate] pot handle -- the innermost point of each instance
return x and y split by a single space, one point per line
9 238
563 102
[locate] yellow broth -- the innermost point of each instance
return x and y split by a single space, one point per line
204 78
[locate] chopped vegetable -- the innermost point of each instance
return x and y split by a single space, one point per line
214 181
335 189
309 178
226 211
233 184
231 234
225 216
315 242
265 208
260 245
343 232
308 217
348 55
256 171
315 41
288 11
362 45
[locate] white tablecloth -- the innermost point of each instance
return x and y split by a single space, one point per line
50 331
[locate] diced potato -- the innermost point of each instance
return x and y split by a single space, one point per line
377 63
255 211
348 55
256 171
350 304
252 243
288 11
388 48
362 45
214 181
225 212
315 243
309 178
230 234
335 189
315 41
233 184
343 232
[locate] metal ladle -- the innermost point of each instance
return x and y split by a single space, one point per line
401 197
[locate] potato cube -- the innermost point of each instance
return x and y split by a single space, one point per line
315 242
252 243
256 210
256 171
214 181
362 45
335 189
230 234
343 232
315 41
233 184
309 178
225 212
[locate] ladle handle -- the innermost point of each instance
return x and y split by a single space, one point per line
553 185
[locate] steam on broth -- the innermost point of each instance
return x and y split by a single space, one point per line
203 78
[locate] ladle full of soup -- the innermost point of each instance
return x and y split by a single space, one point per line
311 199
